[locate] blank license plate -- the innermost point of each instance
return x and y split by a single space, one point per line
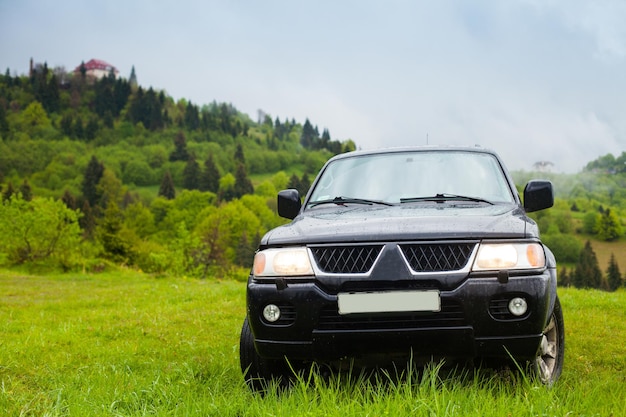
389 302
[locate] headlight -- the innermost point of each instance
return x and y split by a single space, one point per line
497 256
286 262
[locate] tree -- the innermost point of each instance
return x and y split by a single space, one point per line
243 185
239 156
309 137
38 229
226 190
609 226
69 200
9 192
192 117
110 189
210 177
167 189
191 174
91 129
587 273
78 130
564 277
591 219
244 253
34 119
613 274
88 221
4 124
26 191
305 184
92 176
180 152
294 182
66 125
115 245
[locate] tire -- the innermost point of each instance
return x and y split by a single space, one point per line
258 372
549 362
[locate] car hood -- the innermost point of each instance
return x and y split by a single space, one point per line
352 223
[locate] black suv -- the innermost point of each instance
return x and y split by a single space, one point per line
405 253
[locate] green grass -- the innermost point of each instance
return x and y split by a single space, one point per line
125 344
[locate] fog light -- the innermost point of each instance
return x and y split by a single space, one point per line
271 313
518 306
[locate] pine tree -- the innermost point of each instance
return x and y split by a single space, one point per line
308 136
192 117
66 125
69 200
210 177
91 129
167 189
79 130
305 184
191 174
180 152
243 185
613 274
239 156
4 124
294 182
83 70
115 245
93 175
9 192
564 279
87 221
244 252
26 191
587 273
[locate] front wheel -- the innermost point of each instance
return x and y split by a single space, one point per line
259 372
548 364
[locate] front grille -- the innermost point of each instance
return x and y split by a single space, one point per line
345 259
451 314
437 257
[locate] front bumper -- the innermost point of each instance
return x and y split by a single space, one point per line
473 322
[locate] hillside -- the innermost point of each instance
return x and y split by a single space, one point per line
174 187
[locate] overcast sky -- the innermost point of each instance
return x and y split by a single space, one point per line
535 80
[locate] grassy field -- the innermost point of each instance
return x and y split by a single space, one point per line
604 250
125 344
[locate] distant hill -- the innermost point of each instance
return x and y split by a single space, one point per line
172 186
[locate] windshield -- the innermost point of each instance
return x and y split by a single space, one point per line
414 176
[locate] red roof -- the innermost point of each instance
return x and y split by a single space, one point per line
97 64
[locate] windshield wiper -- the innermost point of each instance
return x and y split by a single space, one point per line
440 198
348 200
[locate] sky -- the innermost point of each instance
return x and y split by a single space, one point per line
534 80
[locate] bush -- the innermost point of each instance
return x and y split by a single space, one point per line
566 247
41 229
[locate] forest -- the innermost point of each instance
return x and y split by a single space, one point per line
99 173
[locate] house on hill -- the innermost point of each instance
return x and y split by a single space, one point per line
96 68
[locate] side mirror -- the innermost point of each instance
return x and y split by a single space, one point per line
289 203
538 195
